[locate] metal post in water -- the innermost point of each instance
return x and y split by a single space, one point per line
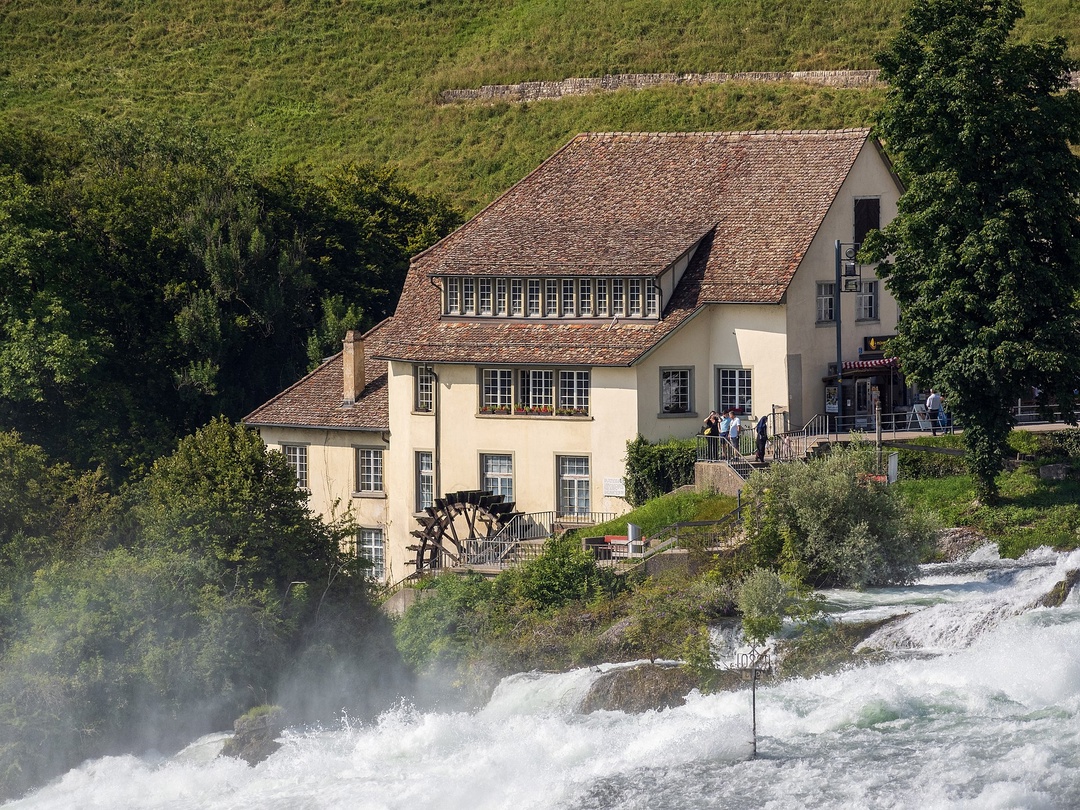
753 706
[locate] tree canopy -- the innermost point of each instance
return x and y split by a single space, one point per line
985 249
151 281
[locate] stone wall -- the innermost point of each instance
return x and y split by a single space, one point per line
535 91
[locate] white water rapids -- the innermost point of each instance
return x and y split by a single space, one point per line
990 720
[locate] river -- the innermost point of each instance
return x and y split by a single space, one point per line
978 706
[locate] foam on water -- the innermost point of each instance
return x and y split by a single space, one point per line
995 723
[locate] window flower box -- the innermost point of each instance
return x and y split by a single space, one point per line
495 409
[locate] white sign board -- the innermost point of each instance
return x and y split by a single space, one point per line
614 488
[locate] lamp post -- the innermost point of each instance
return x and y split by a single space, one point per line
848 279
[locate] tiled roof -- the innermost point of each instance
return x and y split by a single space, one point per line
316 400
615 203
631 204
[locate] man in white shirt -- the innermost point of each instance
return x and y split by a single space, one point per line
933 407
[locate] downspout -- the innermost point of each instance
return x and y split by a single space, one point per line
436 454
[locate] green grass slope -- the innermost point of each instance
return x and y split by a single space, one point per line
324 81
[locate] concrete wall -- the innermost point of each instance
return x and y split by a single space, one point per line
535 91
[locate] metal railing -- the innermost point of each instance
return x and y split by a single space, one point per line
494 550
508 546
720 448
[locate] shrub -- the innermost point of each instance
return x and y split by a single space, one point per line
655 469
828 523
563 573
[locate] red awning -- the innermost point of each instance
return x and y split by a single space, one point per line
884 362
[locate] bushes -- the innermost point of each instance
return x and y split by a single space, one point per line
655 469
826 523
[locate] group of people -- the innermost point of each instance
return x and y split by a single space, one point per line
726 428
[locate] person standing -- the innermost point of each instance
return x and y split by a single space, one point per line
733 431
725 426
933 407
762 430
710 428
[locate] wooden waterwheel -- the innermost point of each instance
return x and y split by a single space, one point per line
457 526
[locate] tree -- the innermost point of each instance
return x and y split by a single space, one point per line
224 496
986 243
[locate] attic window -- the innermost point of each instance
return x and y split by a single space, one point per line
547 297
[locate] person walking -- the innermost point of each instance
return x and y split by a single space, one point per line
733 431
933 407
762 430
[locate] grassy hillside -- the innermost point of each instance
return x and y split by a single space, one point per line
326 82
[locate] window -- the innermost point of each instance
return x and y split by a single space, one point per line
468 296
573 485
601 297
867 217
675 393
652 299
551 297
296 458
370 546
497 390
485 296
585 297
568 303
500 296
735 390
574 390
516 297
497 474
453 296
618 300
537 388
634 298
826 299
425 389
369 470
866 307
534 296
425 481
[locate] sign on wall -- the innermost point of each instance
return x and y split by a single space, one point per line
614 488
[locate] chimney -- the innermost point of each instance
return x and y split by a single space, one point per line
352 362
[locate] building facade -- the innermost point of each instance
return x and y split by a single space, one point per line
629 285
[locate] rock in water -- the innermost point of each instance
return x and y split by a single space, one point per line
639 689
255 735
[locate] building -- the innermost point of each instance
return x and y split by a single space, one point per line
629 285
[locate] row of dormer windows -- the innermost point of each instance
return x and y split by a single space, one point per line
551 297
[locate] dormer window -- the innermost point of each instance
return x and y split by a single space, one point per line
517 297
485 296
551 298
453 296
601 297
585 297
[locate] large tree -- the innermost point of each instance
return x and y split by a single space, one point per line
985 249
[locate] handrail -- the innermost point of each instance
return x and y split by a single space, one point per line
495 550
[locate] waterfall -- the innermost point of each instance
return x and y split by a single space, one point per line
986 715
